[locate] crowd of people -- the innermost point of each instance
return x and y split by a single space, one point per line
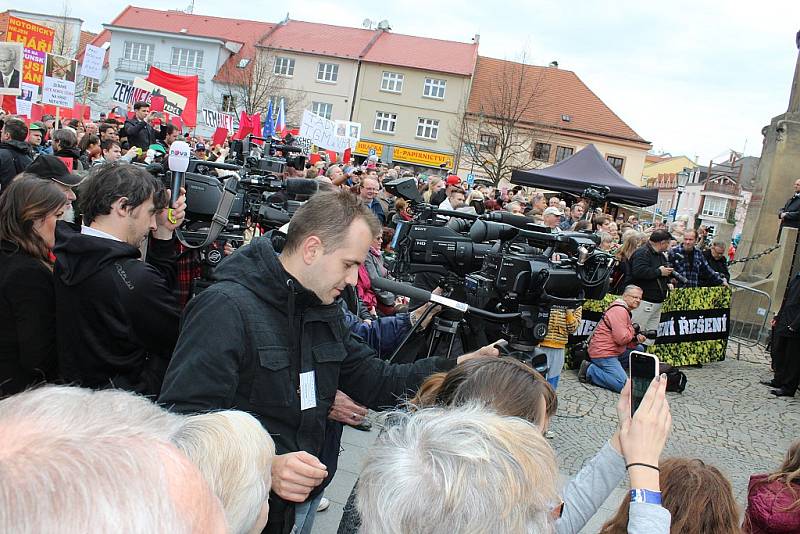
224 412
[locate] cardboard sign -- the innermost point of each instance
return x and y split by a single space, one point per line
322 132
216 119
11 68
59 81
92 66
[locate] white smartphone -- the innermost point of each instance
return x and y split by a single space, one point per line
643 368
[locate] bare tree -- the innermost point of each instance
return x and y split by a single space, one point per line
497 133
64 41
252 85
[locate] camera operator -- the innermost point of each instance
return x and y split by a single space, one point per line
692 265
269 338
613 339
651 271
116 316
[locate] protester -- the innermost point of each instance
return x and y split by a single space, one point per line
52 168
621 276
552 218
651 271
108 132
434 186
691 264
117 317
786 343
250 367
112 151
715 258
65 147
369 192
28 212
790 212
234 454
139 129
36 133
456 198
89 147
575 215
606 242
403 212
80 461
698 496
773 500
15 153
611 343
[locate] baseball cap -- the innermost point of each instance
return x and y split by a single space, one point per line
158 148
453 180
199 146
50 167
552 210
38 126
660 235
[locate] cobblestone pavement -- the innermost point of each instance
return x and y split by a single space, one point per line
725 418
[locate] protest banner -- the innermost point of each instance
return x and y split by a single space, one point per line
128 94
693 328
11 68
59 81
216 119
322 132
174 103
92 66
37 41
174 84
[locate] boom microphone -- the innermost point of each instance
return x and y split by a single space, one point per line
301 186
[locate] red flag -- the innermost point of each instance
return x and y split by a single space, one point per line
177 122
10 104
37 110
157 103
332 155
346 155
313 158
245 126
255 128
183 85
220 134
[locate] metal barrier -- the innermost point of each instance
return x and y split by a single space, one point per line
749 314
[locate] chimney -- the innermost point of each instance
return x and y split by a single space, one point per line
553 64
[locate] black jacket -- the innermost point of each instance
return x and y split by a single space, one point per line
71 153
117 316
720 266
245 340
645 273
15 156
789 314
27 321
139 133
792 211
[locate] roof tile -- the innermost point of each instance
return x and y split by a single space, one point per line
424 53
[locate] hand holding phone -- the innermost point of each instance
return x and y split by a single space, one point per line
643 369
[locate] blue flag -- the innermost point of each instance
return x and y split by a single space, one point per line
269 126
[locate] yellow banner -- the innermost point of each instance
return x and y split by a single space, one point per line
422 157
363 148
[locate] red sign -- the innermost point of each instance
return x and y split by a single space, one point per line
37 40
220 134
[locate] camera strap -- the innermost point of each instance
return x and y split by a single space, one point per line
220 218
603 319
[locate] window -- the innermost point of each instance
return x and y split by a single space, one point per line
428 128
138 52
323 109
392 82
541 151
228 104
187 57
563 152
243 63
92 85
284 66
385 122
328 72
488 143
434 88
715 207
616 162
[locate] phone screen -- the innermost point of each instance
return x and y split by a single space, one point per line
643 368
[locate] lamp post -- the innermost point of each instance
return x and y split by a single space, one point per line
683 179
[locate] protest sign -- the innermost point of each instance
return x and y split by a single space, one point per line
92 66
59 81
37 41
29 92
128 94
693 328
220 134
322 132
157 103
349 129
24 107
10 68
174 104
216 119
172 85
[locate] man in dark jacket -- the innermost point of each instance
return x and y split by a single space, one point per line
139 130
715 257
269 338
790 213
15 153
65 147
117 316
690 262
786 343
650 270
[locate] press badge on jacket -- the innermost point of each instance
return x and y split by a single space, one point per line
308 391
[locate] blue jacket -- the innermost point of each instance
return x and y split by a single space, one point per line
693 270
377 209
382 334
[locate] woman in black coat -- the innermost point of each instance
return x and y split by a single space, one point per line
29 209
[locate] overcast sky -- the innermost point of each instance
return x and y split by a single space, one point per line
693 77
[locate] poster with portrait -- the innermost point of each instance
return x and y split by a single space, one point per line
11 55
59 81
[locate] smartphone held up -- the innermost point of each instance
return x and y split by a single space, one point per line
643 369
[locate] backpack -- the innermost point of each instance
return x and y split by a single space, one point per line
676 379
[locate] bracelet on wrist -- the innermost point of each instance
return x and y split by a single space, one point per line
646 496
642 465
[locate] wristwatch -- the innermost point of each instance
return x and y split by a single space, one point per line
646 496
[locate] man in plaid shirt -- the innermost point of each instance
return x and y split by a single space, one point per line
689 262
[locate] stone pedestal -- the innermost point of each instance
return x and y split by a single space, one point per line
778 169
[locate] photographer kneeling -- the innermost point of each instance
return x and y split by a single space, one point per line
613 339
269 339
